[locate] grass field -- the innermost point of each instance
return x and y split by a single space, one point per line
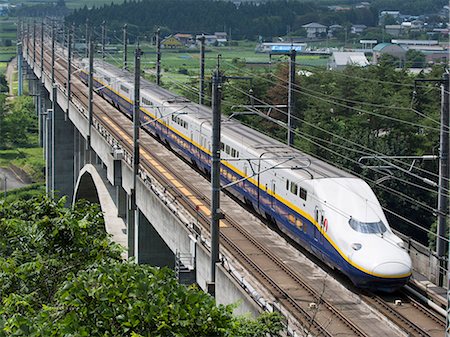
3 66
29 159
179 66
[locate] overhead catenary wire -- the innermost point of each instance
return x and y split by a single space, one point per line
357 144
414 201
192 89
333 134
297 90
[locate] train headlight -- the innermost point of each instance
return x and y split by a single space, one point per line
356 246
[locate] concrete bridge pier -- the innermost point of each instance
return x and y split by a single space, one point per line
120 193
59 146
150 248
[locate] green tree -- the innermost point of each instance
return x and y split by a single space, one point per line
20 123
123 299
415 59
61 276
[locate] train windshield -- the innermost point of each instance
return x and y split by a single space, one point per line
367 227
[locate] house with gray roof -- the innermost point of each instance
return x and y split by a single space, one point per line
314 30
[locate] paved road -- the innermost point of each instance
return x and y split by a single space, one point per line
12 181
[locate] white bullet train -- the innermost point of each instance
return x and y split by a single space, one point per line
333 214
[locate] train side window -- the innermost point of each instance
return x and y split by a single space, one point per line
149 103
316 214
237 153
222 146
227 149
233 153
124 89
287 184
294 188
303 193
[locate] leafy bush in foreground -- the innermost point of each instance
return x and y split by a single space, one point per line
61 276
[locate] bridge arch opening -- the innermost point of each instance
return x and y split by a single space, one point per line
86 189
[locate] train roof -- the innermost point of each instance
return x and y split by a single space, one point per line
256 141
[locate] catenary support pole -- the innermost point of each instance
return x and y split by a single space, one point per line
136 148
69 68
158 56
446 110
291 98
216 214
442 231
19 68
53 56
136 120
201 96
125 47
51 115
87 37
42 51
103 39
91 93
441 245
34 43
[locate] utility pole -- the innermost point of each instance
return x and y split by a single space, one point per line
158 57
202 70
125 47
19 67
103 39
445 92
442 212
441 245
216 214
69 68
87 38
91 92
53 56
291 99
136 124
136 148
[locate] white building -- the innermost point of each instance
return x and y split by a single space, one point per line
314 30
340 60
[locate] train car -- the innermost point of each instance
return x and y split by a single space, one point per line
333 214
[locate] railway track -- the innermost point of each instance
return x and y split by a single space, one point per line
306 304
407 313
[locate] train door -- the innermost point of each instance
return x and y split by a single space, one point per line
272 197
317 241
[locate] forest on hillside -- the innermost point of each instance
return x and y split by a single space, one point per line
248 20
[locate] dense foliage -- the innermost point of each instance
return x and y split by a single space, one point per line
246 20
61 276
18 123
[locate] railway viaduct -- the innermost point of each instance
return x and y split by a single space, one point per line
163 233
92 159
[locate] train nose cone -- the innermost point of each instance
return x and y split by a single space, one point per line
392 269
